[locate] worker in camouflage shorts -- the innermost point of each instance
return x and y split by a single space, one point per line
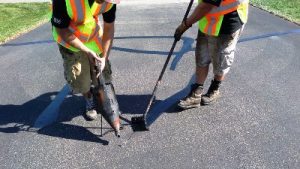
82 42
221 23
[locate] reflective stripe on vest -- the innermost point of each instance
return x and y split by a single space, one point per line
81 35
62 42
226 7
211 23
77 10
101 8
84 24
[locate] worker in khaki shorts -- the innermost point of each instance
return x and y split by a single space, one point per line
220 25
82 42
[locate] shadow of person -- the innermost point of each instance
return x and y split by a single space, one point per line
169 105
14 118
70 131
133 104
21 117
137 104
72 106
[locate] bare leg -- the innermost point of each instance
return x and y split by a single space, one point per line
201 74
219 77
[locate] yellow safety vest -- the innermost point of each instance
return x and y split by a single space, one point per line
84 24
211 23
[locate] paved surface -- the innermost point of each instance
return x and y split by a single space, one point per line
256 124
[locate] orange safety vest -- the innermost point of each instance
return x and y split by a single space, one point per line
84 24
211 23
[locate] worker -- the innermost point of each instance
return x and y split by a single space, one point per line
221 23
82 42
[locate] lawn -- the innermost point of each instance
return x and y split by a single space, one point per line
16 18
289 9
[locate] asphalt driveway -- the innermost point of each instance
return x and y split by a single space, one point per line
255 124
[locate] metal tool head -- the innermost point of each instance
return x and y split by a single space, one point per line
139 123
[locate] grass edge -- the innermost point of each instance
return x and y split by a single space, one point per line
275 14
24 31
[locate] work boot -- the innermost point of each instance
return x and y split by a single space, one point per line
193 99
212 94
90 113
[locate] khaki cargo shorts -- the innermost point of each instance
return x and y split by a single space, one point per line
216 50
77 70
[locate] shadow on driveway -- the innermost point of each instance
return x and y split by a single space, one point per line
24 116
20 118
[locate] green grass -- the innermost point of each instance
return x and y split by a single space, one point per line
21 17
289 9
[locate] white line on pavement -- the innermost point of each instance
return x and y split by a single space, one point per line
50 114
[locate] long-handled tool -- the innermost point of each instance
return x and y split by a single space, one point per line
142 121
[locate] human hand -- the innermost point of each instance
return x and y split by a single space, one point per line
180 30
102 63
99 66
92 56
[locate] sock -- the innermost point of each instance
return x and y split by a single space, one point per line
197 88
199 84
215 84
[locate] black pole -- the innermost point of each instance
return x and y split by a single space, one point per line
163 71
101 126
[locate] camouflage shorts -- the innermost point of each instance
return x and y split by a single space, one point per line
77 70
216 50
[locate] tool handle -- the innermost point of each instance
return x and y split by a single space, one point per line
159 78
188 10
165 65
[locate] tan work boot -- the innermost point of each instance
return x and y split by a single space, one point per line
193 99
212 94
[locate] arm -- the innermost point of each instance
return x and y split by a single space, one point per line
71 39
108 36
60 21
199 12
108 30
